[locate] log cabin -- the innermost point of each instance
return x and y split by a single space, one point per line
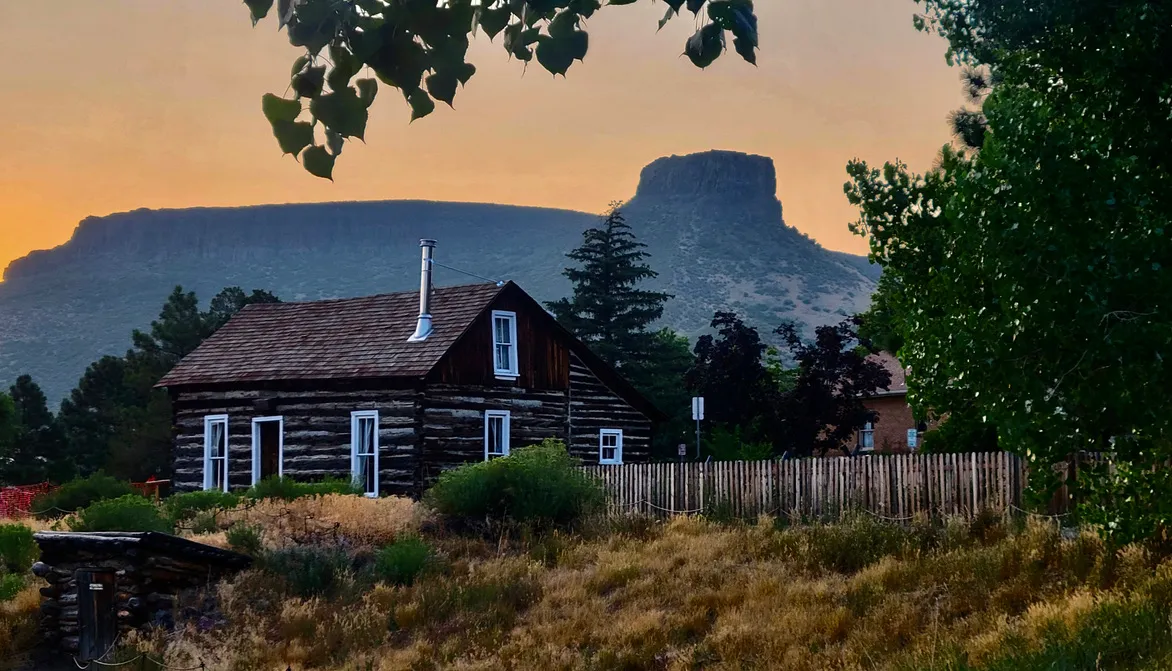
391 390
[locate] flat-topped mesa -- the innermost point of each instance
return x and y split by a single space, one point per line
721 173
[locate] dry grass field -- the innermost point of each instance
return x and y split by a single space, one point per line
687 594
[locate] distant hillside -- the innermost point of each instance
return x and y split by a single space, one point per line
712 223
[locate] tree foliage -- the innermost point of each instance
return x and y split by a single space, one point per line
38 451
730 372
115 419
420 48
825 406
1032 276
608 310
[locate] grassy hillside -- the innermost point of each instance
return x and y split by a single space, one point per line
688 594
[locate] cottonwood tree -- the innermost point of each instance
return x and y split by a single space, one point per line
1033 272
419 47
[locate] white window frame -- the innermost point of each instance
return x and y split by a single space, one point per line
208 422
618 452
256 422
356 418
868 431
513 371
505 417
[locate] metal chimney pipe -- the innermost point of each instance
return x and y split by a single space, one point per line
423 327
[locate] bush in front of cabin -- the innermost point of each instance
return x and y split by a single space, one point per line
402 561
18 550
538 486
187 506
126 513
79 493
287 489
309 570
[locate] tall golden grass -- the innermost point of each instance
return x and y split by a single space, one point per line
693 594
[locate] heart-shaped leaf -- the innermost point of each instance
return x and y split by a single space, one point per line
308 84
421 104
367 89
293 136
277 109
258 9
318 162
342 112
705 45
442 85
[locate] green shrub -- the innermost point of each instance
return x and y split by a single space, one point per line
182 507
402 561
310 570
245 538
10 585
287 489
539 485
18 550
79 493
205 523
126 513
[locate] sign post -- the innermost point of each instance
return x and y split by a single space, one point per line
697 414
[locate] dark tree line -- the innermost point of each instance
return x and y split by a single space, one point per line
114 419
810 408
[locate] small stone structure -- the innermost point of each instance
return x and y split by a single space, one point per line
103 584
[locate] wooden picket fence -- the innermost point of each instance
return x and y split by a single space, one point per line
897 486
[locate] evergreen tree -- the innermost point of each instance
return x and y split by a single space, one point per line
115 419
40 445
608 310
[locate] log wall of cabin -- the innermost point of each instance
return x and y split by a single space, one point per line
453 421
592 407
316 434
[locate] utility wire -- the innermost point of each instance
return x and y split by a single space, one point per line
499 283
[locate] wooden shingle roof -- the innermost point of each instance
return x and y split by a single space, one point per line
349 338
898 384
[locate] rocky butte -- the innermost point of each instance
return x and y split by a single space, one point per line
711 221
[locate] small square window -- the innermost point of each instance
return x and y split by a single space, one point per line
504 344
867 437
610 446
496 434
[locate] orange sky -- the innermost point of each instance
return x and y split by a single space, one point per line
120 104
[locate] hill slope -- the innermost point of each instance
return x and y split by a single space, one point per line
711 221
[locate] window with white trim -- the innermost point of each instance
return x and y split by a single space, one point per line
215 452
496 434
504 343
867 437
364 450
610 446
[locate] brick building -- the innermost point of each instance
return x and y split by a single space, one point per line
894 427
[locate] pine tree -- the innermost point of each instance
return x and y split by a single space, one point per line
40 444
608 310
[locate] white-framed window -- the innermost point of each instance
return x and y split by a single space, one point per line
215 452
364 450
867 437
496 434
610 446
504 343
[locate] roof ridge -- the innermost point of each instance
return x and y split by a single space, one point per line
390 294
